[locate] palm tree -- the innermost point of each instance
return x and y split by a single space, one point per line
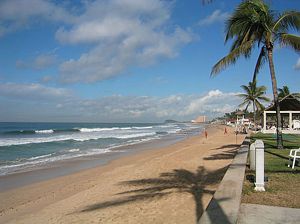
253 95
285 91
254 24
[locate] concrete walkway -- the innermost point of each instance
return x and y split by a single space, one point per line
254 214
225 204
226 208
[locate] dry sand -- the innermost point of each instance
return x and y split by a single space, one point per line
169 185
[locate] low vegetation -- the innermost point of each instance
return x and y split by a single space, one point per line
283 185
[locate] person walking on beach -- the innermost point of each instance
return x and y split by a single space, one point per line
205 133
225 131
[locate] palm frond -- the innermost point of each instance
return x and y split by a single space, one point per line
247 103
283 92
262 58
237 22
246 108
287 20
247 89
258 105
247 20
232 57
286 89
253 94
261 89
290 40
264 98
242 95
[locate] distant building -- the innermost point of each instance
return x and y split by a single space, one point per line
200 119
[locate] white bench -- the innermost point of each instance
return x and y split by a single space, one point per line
294 154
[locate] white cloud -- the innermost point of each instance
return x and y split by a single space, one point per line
33 91
43 61
119 108
40 62
18 14
110 59
124 33
146 108
297 65
119 34
47 79
214 101
216 16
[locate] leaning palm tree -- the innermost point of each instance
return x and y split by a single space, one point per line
253 95
254 24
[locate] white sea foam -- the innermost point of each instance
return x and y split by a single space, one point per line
134 141
24 141
46 159
128 128
39 157
95 129
135 135
141 128
74 136
167 126
127 136
73 150
102 129
44 131
38 161
112 129
87 134
171 131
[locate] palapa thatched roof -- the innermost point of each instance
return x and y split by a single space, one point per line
288 103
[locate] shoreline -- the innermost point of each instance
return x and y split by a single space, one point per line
72 193
78 164
35 147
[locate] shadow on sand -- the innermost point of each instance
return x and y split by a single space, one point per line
177 181
228 154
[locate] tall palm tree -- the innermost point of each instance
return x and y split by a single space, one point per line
253 95
253 24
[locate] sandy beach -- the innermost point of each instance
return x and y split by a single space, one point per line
173 184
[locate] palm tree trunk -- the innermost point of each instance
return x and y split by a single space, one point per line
254 115
275 94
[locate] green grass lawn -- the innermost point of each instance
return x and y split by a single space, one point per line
283 186
289 141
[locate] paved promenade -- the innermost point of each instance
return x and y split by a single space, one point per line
255 214
226 208
225 204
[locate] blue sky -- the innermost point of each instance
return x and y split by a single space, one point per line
124 60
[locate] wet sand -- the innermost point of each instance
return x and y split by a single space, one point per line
173 184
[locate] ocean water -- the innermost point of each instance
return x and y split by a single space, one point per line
26 146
